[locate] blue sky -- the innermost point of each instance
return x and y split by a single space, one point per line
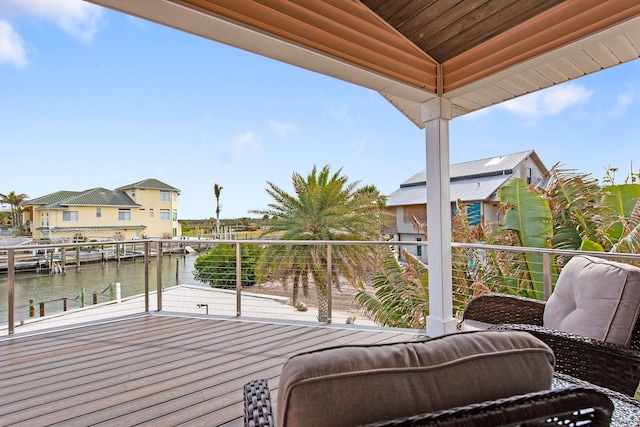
93 98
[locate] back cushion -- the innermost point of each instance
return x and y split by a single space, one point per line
352 385
595 298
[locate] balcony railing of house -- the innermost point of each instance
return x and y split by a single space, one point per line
44 286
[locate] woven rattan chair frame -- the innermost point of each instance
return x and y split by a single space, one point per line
573 405
607 365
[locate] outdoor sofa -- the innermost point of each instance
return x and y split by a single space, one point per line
468 378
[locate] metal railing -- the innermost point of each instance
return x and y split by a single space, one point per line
475 266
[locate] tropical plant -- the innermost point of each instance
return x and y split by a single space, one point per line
216 192
573 199
570 212
15 201
529 216
619 219
324 206
218 266
400 294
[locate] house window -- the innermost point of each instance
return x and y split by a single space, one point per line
44 219
164 196
124 215
528 175
473 213
70 216
419 248
175 197
98 212
164 215
133 193
175 215
150 213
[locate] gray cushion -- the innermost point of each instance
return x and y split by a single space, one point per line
352 385
595 298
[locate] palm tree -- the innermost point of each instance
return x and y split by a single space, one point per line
400 295
325 206
216 192
15 201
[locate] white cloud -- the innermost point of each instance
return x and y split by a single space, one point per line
79 19
281 128
11 46
624 100
549 102
360 145
341 113
242 143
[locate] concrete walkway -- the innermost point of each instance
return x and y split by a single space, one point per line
190 299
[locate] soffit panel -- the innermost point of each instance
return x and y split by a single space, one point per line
569 62
475 52
345 30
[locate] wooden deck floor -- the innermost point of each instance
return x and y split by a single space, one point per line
152 370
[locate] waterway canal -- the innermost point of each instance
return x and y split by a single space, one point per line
176 269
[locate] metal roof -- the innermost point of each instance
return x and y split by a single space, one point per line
474 180
474 53
52 198
467 190
93 197
149 184
498 165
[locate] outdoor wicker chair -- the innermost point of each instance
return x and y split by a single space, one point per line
590 322
574 405
482 378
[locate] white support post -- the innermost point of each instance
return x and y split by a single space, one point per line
436 115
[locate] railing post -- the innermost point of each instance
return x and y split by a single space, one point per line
32 308
546 274
11 291
146 277
159 276
238 280
329 279
42 309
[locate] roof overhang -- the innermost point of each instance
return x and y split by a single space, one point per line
487 52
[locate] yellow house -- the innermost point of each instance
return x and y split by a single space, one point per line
147 208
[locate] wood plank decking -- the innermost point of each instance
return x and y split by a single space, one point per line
152 370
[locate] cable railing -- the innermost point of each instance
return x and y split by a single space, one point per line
306 281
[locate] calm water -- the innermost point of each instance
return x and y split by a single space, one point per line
176 269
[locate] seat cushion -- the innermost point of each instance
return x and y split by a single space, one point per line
595 298
353 385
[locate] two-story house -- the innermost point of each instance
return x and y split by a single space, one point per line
147 208
475 183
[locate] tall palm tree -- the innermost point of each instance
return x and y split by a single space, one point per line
15 201
216 192
325 206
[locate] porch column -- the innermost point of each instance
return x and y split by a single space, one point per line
436 115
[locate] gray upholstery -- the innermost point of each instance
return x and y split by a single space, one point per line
352 385
595 298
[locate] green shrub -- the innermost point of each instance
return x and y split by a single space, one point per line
218 266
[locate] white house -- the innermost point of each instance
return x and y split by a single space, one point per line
475 183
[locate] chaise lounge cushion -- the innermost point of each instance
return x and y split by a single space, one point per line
352 385
595 298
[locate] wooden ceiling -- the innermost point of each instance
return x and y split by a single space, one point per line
475 53
446 29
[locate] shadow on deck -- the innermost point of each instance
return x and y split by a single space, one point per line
159 370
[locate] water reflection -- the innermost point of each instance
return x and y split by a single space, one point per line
176 269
